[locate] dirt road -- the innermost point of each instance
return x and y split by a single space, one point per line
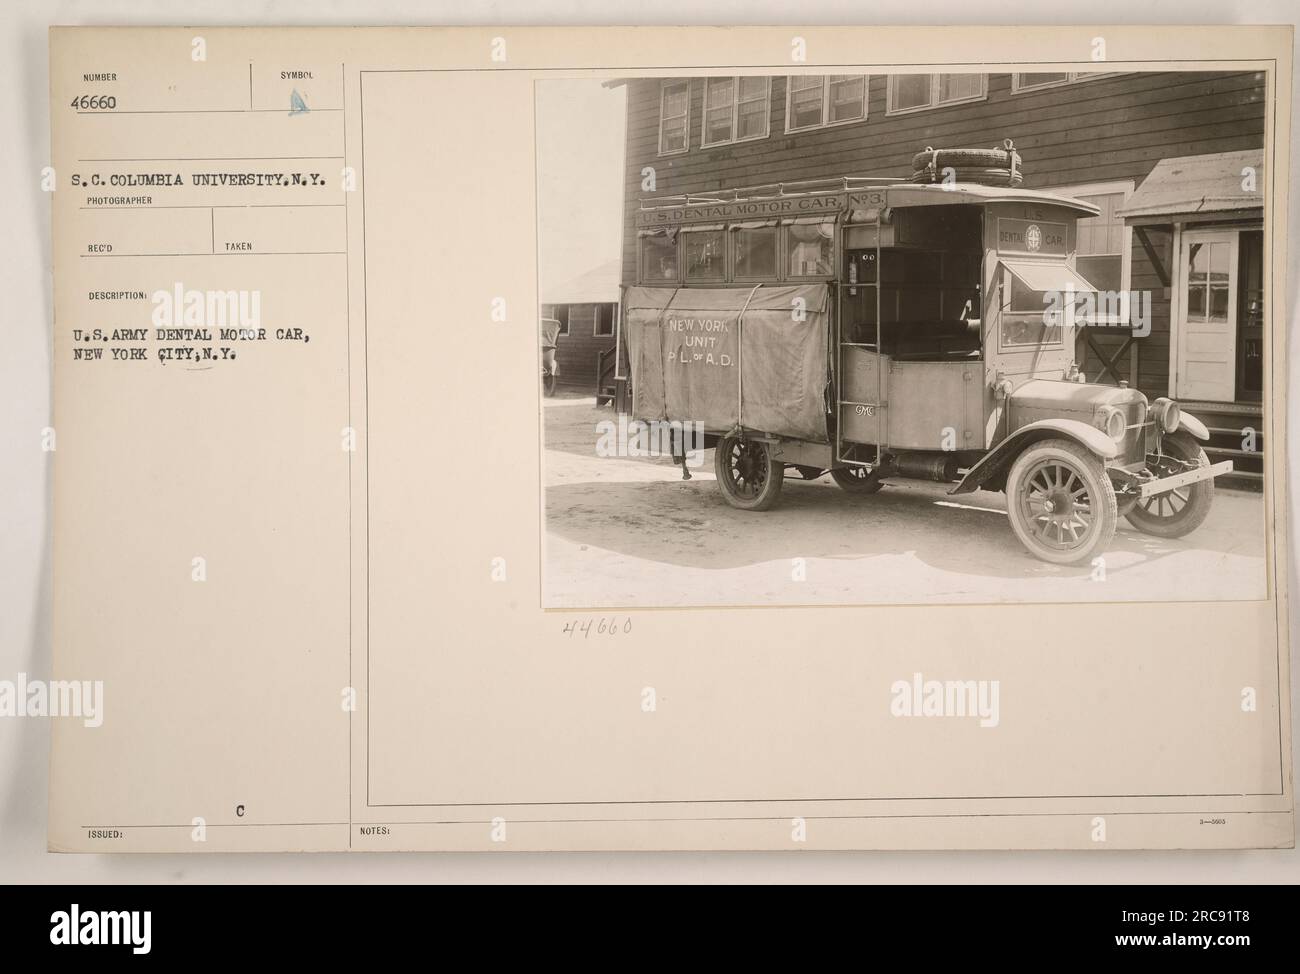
630 532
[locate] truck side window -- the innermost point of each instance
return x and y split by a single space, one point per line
659 258
756 252
706 255
808 248
1027 318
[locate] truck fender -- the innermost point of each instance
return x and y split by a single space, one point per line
991 471
1193 426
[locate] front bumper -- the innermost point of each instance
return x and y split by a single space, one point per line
1166 484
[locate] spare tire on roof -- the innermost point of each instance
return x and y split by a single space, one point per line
991 167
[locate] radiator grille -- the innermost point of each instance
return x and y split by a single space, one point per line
1133 448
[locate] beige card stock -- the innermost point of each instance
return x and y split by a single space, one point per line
346 579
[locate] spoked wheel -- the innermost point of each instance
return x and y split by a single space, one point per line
856 480
750 479
1061 503
1179 511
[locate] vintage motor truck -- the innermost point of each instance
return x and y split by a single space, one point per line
883 328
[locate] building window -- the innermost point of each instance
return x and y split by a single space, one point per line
1053 79
918 92
755 252
604 327
735 109
562 316
1103 242
674 116
706 254
816 101
808 248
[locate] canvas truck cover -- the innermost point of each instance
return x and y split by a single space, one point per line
750 356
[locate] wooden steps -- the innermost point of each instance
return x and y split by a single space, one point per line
1229 423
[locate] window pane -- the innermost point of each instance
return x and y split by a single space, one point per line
753 119
752 114
717 125
806 101
674 136
1207 281
1029 330
672 122
910 91
658 259
719 101
675 100
956 86
1023 299
847 97
721 92
706 255
1218 298
1023 322
808 249
1103 273
1043 78
605 321
756 252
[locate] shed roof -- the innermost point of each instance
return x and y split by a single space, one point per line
600 285
1198 184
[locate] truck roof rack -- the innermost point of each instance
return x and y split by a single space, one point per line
772 191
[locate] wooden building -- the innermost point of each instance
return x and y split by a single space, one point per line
1138 145
587 310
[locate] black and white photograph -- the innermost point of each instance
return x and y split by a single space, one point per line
872 337
700 444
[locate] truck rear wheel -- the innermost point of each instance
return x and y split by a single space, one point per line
856 480
748 476
1061 503
1182 510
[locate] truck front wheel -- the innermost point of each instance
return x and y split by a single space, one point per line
1182 510
750 479
1061 503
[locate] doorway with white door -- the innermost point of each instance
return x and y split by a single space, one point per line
1217 337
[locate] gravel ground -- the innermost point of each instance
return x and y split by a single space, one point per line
631 532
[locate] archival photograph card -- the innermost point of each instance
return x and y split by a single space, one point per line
674 438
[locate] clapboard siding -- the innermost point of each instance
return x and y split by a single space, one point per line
1094 131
